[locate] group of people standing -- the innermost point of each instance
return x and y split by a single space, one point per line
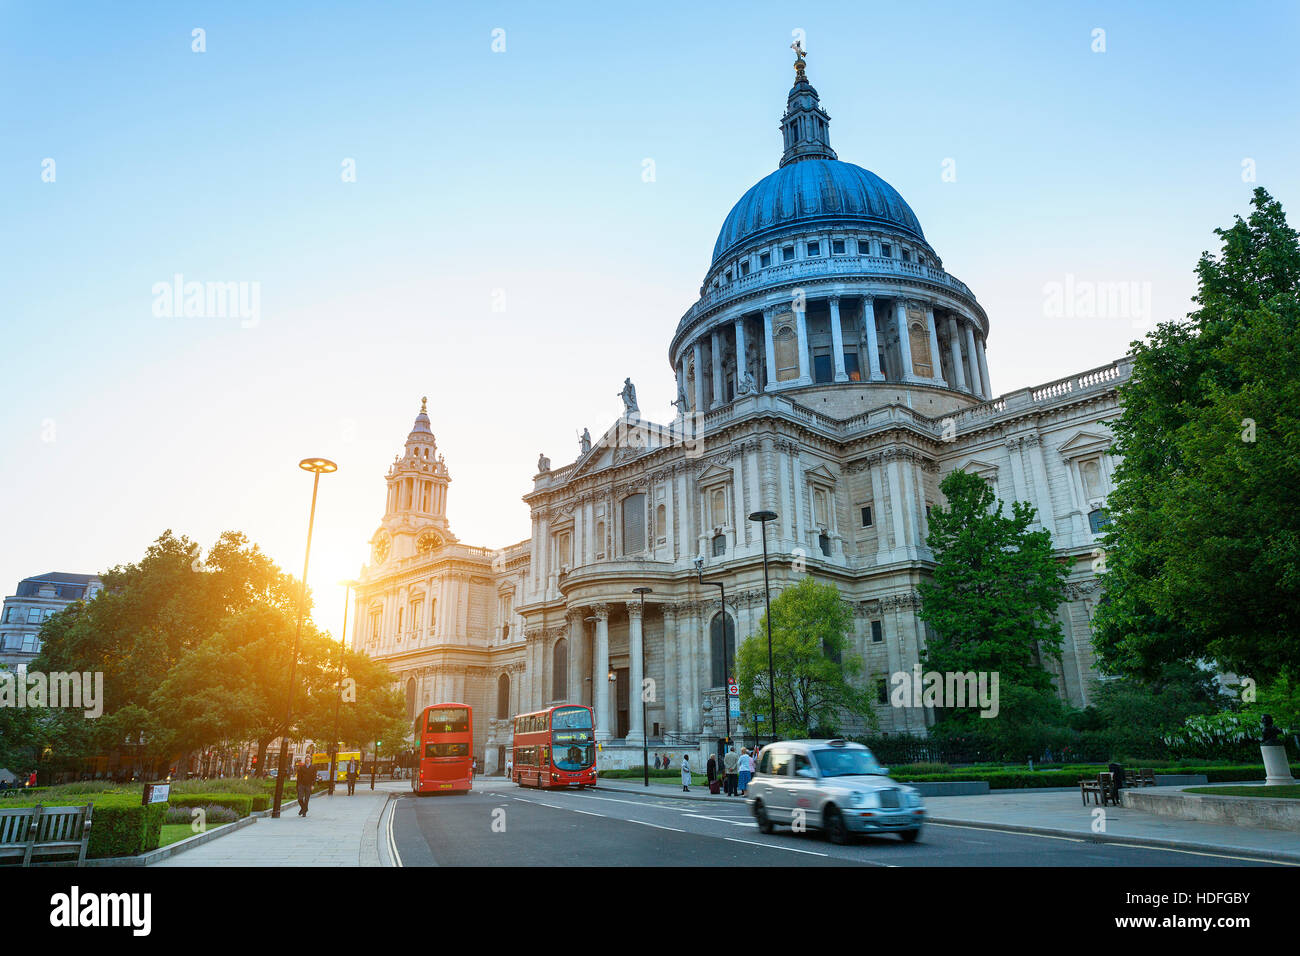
732 774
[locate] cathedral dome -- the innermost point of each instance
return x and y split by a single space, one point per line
811 192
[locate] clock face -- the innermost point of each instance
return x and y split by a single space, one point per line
427 542
381 549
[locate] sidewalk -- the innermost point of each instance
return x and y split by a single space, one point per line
1058 813
337 831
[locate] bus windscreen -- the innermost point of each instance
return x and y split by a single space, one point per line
448 721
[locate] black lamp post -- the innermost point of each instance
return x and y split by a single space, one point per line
726 647
645 728
763 517
318 467
338 688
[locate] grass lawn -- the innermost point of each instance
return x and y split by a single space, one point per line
175 832
1290 791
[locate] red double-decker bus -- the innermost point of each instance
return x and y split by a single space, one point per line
555 747
444 745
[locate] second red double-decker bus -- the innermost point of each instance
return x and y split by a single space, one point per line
444 746
555 747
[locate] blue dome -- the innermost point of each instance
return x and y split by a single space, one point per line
812 191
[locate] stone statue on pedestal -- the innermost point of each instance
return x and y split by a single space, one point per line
628 394
543 463
585 441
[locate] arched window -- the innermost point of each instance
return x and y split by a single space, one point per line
718 649
503 696
633 524
560 670
410 699
718 508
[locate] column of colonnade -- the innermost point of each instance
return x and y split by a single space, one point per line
958 332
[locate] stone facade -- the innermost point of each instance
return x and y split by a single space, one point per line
831 372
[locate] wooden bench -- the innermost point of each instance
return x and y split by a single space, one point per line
1146 778
1101 789
31 834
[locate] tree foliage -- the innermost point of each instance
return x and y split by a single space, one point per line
1203 552
811 662
991 603
196 654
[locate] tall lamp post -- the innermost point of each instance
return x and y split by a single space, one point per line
763 517
318 467
645 728
726 648
338 687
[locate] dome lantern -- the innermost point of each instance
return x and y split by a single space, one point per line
805 125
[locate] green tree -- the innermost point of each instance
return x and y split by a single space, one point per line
1203 552
990 604
192 651
811 662
1136 714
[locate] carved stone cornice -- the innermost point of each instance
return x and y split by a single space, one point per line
910 600
1074 592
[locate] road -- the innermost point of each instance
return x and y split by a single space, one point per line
500 824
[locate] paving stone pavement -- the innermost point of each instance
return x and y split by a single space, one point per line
337 831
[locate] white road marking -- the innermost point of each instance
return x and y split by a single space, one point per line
588 813
734 823
773 846
1041 836
655 825
392 844
1217 856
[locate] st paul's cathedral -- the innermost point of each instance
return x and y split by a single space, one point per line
833 372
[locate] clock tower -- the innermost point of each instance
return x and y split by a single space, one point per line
415 516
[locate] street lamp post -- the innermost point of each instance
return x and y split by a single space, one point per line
645 728
338 688
763 517
318 467
726 648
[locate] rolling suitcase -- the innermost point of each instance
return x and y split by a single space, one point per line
714 787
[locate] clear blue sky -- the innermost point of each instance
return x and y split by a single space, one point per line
520 172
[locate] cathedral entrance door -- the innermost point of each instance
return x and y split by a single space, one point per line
622 676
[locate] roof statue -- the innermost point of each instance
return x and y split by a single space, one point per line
628 394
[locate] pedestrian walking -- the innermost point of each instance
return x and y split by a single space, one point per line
746 769
730 763
686 772
353 770
306 780
510 766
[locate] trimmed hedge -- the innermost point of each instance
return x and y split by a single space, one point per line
240 803
119 825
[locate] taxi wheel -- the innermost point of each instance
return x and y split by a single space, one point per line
909 836
836 830
764 821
